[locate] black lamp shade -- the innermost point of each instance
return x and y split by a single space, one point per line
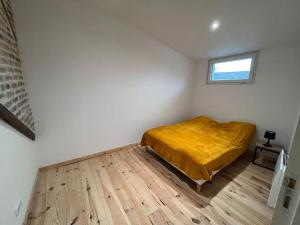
270 135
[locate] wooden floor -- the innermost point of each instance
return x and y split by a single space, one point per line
133 186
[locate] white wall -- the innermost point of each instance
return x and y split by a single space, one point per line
95 82
271 102
18 169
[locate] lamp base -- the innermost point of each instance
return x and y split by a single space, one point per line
268 143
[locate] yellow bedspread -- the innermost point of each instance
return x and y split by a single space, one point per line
201 145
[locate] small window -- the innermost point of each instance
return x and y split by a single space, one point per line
232 69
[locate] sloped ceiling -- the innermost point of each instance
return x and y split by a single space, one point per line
184 25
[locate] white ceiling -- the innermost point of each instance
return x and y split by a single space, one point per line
184 25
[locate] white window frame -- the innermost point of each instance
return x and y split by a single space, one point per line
211 62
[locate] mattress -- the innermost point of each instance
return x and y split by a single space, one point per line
201 145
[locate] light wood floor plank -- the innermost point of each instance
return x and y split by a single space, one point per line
132 186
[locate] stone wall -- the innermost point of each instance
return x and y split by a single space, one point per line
13 95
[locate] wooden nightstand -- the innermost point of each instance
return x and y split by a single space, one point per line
276 149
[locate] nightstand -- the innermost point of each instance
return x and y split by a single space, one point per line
276 149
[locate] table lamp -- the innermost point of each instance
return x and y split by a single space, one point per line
270 135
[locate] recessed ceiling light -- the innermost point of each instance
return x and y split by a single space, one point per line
215 25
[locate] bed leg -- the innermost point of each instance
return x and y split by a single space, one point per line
198 188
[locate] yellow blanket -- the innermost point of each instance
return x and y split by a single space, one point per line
201 145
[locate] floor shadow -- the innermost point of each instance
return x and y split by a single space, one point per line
184 178
210 188
225 176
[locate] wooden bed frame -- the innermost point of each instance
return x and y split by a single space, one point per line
198 182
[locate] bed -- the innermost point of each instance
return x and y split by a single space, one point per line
200 147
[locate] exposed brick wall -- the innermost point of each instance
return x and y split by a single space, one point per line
13 94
